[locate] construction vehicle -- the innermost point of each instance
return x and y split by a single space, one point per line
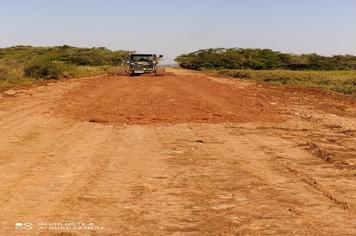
139 64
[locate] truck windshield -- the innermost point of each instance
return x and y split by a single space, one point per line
141 58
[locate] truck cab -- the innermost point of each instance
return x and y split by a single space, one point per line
143 63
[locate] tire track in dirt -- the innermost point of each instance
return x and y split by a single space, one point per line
45 172
324 188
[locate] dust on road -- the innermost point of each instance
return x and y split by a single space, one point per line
180 154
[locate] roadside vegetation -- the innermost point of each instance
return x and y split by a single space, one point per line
262 59
23 65
337 81
336 73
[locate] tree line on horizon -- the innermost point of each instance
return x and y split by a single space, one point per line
262 59
96 56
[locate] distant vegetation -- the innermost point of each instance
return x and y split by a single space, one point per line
25 64
336 73
338 81
262 59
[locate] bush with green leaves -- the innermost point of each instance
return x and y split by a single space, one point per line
42 69
262 59
97 56
26 64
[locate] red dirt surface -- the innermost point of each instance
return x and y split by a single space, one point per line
181 154
165 99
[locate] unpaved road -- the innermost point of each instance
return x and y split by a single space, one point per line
183 154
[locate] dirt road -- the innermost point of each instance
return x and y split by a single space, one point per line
182 154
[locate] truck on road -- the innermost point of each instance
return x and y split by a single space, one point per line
144 64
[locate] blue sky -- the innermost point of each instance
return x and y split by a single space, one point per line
172 27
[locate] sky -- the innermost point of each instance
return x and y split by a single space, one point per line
173 27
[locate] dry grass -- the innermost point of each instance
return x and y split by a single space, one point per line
338 81
12 74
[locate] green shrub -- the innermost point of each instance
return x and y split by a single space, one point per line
54 62
97 56
42 69
262 59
